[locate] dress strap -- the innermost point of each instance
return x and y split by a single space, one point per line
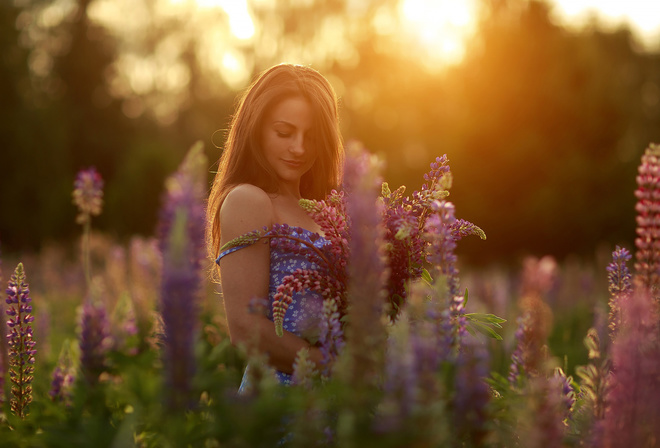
230 251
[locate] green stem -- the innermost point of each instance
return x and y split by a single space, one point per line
85 253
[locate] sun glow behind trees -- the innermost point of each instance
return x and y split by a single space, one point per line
643 16
240 22
232 38
441 27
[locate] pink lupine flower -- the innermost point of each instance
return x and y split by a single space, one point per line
632 416
647 266
539 276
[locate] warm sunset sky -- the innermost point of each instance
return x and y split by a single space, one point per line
644 15
442 24
436 29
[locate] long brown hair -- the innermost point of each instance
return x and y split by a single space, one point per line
242 160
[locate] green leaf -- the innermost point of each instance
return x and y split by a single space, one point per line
485 329
243 240
489 319
427 277
465 297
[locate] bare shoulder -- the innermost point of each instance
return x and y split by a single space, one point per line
246 208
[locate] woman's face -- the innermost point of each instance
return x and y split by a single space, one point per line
286 140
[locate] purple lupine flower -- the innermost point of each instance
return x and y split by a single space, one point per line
399 382
366 267
620 286
472 394
20 342
61 383
462 228
441 254
548 413
4 355
438 181
2 374
567 392
647 266
516 368
88 197
632 416
404 246
181 237
535 323
303 369
527 358
443 244
88 194
429 348
331 336
94 341
124 327
405 220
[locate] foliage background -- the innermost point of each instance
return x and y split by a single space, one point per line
543 126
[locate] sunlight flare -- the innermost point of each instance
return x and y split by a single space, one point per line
440 27
240 21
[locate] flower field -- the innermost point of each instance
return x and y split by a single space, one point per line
125 344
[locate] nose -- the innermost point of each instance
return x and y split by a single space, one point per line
297 147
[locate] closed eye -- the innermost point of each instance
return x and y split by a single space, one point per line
283 134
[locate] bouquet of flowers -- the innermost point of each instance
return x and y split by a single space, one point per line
408 225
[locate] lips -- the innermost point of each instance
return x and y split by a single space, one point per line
293 163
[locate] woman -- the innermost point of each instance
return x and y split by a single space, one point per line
283 145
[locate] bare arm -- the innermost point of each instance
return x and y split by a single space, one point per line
244 275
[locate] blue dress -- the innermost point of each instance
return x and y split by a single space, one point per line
286 256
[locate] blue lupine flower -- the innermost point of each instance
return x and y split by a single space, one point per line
620 286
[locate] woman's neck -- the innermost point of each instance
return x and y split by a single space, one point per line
290 191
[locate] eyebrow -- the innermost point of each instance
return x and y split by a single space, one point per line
287 123
284 122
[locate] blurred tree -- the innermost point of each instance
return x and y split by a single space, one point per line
552 133
543 126
30 138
